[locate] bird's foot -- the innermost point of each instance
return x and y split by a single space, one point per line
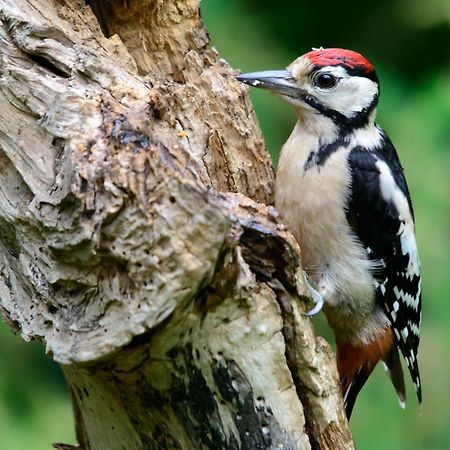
316 297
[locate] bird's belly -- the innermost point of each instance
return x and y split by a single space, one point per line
312 202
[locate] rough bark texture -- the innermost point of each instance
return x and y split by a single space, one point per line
135 240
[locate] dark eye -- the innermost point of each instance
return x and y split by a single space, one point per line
325 80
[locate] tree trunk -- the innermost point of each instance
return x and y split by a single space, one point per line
137 238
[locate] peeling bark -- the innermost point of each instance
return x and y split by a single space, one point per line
137 240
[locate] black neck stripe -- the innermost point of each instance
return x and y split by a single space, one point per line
320 157
344 123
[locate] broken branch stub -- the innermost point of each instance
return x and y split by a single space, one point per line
135 239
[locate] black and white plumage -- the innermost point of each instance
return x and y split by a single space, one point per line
381 215
341 188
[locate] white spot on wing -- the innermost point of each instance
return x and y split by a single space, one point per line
405 333
408 299
414 328
392 193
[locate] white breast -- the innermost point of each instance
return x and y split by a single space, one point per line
312 202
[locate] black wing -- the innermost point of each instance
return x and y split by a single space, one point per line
381 215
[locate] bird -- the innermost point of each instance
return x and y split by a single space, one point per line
341 189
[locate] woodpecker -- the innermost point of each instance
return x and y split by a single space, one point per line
341 188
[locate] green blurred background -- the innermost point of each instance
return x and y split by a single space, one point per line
409 43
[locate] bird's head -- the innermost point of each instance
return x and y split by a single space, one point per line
336 83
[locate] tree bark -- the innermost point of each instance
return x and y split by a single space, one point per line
137 240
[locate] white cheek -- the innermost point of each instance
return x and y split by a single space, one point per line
351 96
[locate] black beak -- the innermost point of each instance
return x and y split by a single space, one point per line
279 82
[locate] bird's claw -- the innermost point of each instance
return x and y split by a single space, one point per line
317 299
